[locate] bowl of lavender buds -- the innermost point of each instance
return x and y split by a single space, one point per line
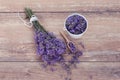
75 25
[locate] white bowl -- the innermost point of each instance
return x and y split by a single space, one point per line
75 35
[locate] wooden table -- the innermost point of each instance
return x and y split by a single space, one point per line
101 59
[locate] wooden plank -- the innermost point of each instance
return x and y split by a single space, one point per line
60 6
33 71
102 39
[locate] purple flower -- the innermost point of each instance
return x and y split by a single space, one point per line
78 53
60 50
49 47
40 50
72 47
50 52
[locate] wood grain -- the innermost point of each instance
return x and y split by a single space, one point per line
33 71
61 6
101 59
102 39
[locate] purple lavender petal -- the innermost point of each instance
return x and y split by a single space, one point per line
79 53
72 47
50 52
60 51
40 49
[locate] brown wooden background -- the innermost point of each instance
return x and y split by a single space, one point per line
101 59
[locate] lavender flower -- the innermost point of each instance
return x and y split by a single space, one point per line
49 47
78 53
72 47
76 24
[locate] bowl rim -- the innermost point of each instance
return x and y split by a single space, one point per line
72 15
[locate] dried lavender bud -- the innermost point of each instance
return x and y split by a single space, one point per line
72 47
76 24
75 58
78 53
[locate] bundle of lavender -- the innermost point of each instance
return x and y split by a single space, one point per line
50 48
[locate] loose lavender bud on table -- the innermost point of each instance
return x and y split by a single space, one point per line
76 24
79 53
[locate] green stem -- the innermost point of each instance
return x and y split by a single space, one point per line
36 24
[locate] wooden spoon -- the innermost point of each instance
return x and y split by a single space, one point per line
68 42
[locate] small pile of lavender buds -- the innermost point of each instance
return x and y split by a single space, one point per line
76 24
75 52
49 47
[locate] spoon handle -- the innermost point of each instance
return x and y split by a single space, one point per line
64 36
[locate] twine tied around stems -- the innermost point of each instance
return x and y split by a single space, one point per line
28 24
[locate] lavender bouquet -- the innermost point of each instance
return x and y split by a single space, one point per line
50 48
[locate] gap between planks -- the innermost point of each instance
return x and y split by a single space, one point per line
92 12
